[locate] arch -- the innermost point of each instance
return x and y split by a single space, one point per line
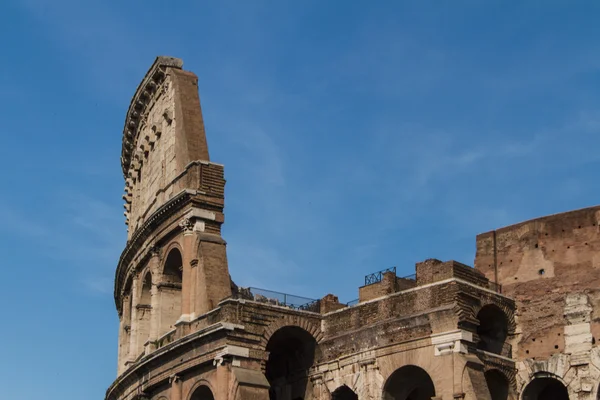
172 267
146 290
344 393
202 392
545 387
498 385
169 290
409 383
492 329
313 328
291 354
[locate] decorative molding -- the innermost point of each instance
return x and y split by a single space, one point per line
186 225
155 251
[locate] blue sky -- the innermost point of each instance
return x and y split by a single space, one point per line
354 136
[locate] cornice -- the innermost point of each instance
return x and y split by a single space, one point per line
137 108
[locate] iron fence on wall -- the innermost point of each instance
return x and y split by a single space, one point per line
279 299
376 277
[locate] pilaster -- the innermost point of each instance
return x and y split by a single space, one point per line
153 265
175 382
132 354
188 235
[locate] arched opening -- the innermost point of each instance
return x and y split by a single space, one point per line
492 329
344 393
409 383
143 313
146 295
291 354
202 393
170 292
545 388
498 385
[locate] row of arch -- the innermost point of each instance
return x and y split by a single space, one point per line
151 305
413 383
292 351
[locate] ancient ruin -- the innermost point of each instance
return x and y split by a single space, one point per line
521 324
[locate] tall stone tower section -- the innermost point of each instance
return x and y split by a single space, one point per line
173 269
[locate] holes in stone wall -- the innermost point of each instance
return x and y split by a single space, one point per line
542 271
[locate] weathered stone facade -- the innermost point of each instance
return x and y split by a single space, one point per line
520 325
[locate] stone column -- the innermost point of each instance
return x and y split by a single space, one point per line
126 332
133 331
121 343
187 283
154 266
371 382
175 382
194 289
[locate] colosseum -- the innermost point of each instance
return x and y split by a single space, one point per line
520 324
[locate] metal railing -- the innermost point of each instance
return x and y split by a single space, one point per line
412 277
376 277
279 299
352 303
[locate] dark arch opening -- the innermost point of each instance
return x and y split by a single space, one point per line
170 292
409 383
202 393
291 354
545 388
344 393
498 385
146 296
492 329
172 271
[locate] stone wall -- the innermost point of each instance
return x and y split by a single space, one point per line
538 263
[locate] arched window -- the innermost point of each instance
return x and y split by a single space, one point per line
170 292
144 310
409 383
545 388
344 393
492 329
202 393
498 385
291 354
146 296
